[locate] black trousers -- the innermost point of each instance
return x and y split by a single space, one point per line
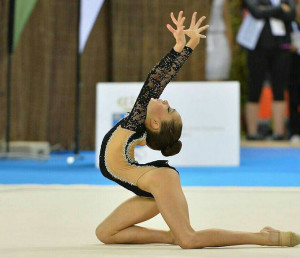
276 63
294 92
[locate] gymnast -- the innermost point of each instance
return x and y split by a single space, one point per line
153 122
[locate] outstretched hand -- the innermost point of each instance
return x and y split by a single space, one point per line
178 32
194 32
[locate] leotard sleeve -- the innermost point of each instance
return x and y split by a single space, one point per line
158 78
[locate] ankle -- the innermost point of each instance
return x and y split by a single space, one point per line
264 238
271 238
171 238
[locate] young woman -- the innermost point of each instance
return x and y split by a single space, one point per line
157 185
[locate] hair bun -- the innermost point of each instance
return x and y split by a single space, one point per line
172 150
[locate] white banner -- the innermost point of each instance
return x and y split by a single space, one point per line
210 113
89 10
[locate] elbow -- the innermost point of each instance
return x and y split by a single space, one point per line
256 14
291 16
255 11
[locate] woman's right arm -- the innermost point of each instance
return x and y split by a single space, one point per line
158 78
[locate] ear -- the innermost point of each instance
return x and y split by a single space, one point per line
154 124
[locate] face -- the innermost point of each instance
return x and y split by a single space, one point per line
160 110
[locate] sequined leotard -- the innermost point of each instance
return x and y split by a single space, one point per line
116 159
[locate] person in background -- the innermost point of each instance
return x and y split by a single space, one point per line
294 86
270 55
219 43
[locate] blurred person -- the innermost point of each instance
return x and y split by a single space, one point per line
270 54
154 123
219 43
294 85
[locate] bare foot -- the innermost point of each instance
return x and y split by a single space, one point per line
273 236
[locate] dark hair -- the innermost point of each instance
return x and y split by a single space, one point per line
167 139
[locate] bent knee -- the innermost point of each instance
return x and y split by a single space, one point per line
189 242
103 235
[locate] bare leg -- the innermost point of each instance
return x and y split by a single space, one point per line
119 228
165 186
278 117
252 117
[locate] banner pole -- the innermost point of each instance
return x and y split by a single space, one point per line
78 86
8 82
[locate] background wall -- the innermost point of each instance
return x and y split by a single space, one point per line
129 37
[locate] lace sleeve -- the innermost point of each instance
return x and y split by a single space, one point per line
156 81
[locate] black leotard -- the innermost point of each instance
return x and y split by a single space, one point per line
116 159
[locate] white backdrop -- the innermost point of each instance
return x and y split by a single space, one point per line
210 113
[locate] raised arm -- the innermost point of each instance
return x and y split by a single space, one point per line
156 81
161 74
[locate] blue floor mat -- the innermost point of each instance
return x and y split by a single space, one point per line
259 167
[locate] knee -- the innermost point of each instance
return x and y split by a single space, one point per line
188 242
103 235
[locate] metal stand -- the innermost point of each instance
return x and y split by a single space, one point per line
5 151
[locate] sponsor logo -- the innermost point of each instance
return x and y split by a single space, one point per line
126 103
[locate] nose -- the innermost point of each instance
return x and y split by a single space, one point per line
165 102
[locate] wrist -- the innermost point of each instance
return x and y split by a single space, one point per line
193 43
178 47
